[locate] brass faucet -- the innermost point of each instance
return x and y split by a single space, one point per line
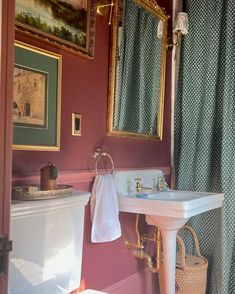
160 183
139 188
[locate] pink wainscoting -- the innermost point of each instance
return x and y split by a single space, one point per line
74 177
84 90
142 282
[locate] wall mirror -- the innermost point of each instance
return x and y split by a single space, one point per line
137 69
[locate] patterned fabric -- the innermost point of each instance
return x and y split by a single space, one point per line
138 72
205 130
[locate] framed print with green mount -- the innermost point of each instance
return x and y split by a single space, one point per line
36 99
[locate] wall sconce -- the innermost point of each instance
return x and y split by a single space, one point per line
180 28
102 8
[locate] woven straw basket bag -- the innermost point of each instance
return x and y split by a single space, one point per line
191 271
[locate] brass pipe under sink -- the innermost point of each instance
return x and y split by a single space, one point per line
139 245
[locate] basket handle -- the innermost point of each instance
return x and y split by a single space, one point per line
182 246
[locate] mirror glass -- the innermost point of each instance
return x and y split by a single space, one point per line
137 69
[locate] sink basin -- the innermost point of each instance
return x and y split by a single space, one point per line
169 210
173 204
176 204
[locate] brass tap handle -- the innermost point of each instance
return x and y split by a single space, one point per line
161 183
138 185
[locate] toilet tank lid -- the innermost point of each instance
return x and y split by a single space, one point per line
20 208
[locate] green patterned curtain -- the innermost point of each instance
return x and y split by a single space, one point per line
139 72
205 130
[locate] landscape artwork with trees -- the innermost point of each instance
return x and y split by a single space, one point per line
66 23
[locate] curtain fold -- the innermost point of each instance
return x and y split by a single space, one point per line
139 72
205 130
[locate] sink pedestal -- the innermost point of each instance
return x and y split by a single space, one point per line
169 255
168 227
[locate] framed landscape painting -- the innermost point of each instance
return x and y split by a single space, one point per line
68 24
36 99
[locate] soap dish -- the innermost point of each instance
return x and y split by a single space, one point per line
33 192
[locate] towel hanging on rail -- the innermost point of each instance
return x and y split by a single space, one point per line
104 210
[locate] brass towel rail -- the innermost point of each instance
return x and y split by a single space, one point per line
98 153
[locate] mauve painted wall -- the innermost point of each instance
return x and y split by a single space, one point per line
84 90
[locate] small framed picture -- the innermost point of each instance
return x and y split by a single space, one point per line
76 124
37 99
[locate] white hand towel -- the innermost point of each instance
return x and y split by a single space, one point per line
104 210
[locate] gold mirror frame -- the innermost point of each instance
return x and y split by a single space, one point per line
156 10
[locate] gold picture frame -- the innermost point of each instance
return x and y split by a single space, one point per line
68 24
151 7
37 99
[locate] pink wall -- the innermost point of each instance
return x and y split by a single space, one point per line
84 90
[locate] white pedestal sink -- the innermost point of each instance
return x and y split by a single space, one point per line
169 210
